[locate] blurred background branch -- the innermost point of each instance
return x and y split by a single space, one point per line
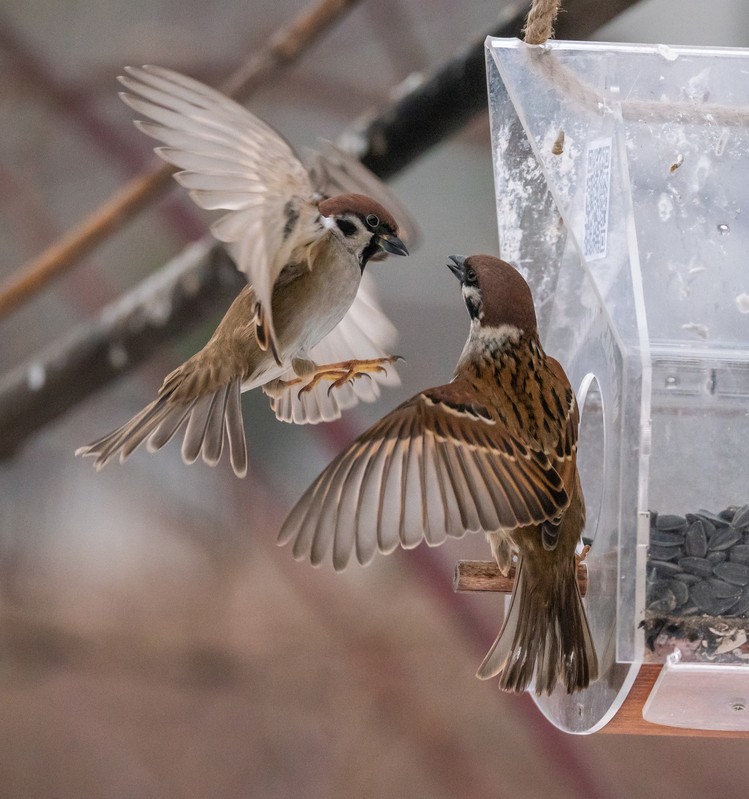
424 110
282 50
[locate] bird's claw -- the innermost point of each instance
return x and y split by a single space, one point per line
347 371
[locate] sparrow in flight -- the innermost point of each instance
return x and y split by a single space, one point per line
303 237
492 451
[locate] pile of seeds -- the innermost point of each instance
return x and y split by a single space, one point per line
698 582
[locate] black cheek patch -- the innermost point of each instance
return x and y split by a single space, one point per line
474 307
346 227
371 249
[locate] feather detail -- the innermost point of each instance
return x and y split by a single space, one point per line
474 476
545 634
207 419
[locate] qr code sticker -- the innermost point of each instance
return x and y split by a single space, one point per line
597 187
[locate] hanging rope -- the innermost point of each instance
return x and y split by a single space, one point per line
540 23
539 28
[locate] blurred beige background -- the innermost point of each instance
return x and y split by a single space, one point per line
154 642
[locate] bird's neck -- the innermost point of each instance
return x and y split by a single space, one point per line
498 348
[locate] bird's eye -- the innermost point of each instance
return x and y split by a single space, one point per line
373 221
346 227
470 275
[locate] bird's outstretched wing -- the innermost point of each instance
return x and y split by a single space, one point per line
231 160
442 464
364 332
334 171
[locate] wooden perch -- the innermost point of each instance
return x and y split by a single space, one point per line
480 575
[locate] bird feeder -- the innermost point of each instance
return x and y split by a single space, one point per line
622 186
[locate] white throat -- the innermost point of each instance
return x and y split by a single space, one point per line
499 336
484 340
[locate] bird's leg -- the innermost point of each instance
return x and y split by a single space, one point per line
341 373
275 388
303 368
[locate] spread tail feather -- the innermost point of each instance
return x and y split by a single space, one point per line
207 419
545 632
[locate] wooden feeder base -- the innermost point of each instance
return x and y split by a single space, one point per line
471 575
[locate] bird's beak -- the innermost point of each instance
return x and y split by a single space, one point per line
456 267
392 244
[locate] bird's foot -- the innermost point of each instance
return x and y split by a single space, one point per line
344 372
581 555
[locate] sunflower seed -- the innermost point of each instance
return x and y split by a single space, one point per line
711 517
741 608
741 518
735 573
739 554
723 589
679 590
695 540
664 604
669 521
723 539
667 569
699 566
664 538
721 606
699 563
687 579
665 553
702 595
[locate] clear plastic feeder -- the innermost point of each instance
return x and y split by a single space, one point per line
622 184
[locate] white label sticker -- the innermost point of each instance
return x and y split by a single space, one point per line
597 187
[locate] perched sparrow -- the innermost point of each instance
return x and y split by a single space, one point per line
303 318
494 450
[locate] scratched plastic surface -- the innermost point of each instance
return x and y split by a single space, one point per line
622 187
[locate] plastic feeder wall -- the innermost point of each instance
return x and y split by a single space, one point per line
622 185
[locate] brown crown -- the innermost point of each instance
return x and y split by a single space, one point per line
506 298
358 204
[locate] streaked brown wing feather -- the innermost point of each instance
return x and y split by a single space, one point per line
439 465
562 450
